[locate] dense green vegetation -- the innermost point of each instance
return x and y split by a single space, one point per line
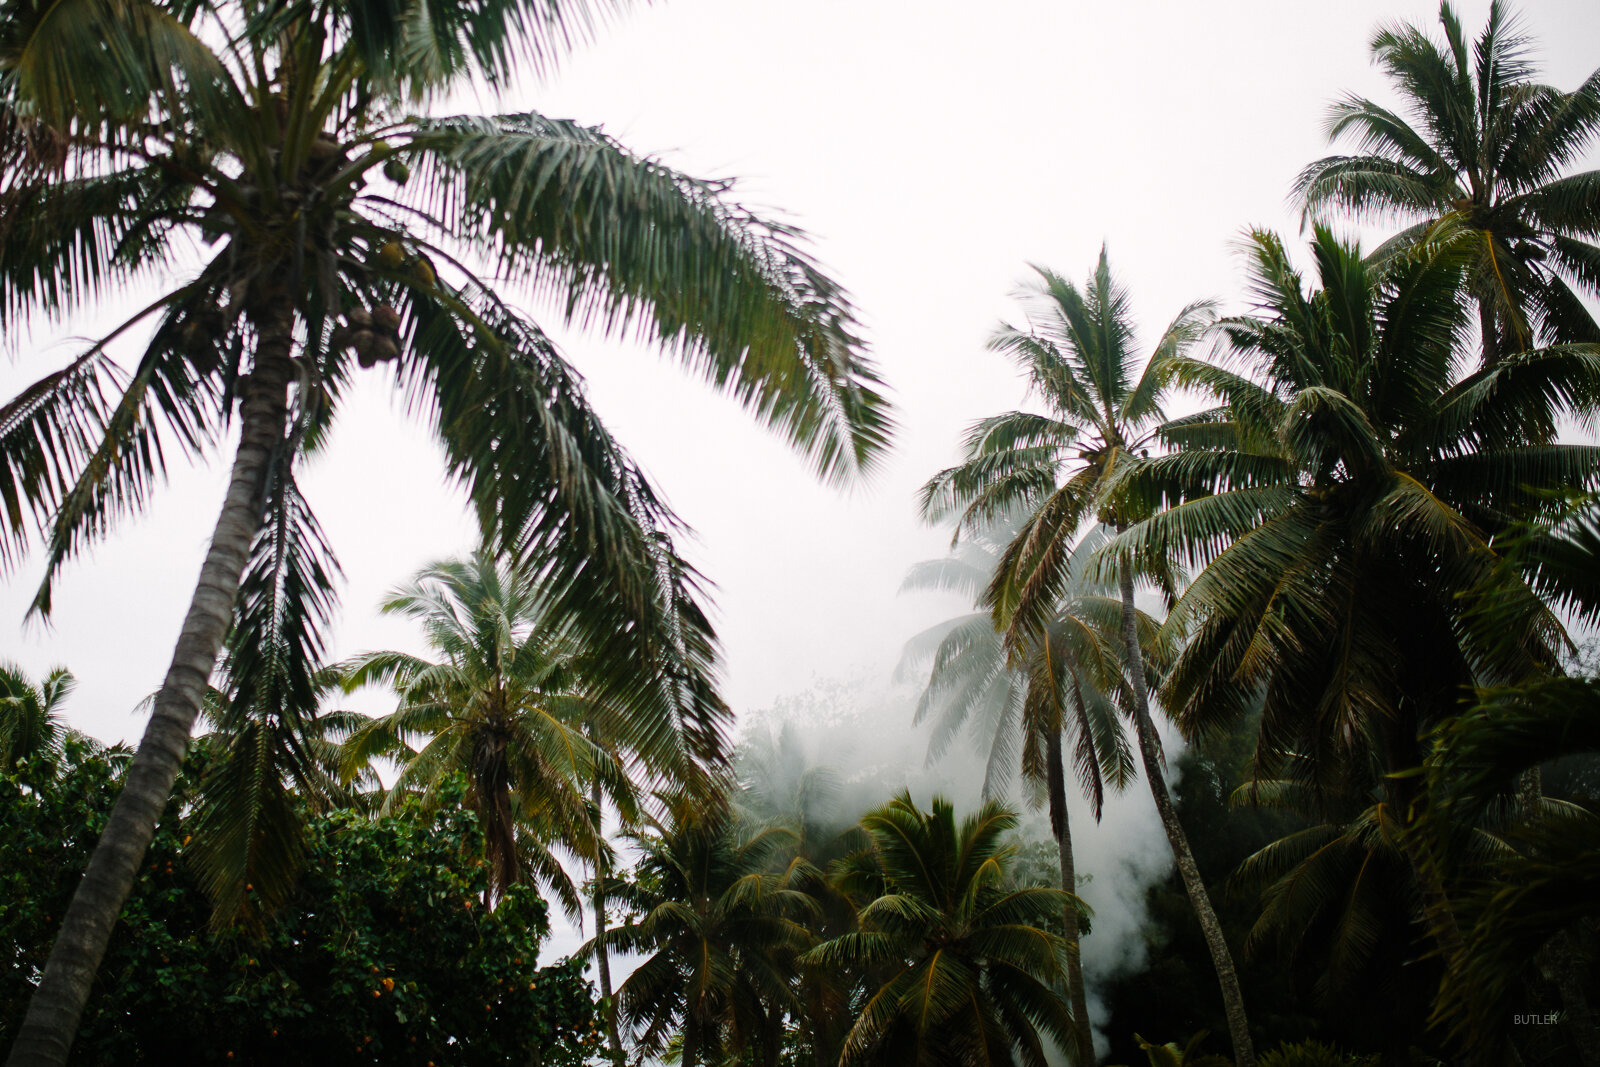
382 954
1359 576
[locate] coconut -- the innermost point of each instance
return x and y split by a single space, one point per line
385 318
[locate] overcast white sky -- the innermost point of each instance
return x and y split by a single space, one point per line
933 150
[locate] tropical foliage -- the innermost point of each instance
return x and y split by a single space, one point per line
299 145
959 969
1065 685
1478 141
720 933
504 706
383 954
1065 468
32 724
1366 505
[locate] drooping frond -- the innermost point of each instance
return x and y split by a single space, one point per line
552 487
631 246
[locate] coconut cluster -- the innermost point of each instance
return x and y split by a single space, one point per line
373 335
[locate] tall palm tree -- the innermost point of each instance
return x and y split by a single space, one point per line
965 971
1066 684
509 703
720 933
292 143
1343 502
1478 140
1080 356
508 708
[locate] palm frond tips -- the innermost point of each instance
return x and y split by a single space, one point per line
631 246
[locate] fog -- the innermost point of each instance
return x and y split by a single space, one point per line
860 729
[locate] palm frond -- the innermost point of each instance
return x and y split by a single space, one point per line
629 245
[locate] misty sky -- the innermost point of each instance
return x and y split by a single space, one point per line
932 150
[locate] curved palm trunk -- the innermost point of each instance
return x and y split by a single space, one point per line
1244 1051
1061 826
51 1024
602 957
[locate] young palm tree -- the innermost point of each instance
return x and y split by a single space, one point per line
965 973
1105 413
1479 141
721 933
1343 503
1066 683
289 142
508 704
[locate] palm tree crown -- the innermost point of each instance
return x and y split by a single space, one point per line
31 722
1080 356
721 932
963 971
1481 142
506 705
1344 499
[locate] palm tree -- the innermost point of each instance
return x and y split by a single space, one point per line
31 723
1341 906
509 704
1343 502
1533 908
1528 910
1060 687
964 971
1479 141
1062 467
338 222
721 931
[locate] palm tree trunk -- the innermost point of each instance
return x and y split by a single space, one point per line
691 1040
603 958
1061 826
51 1024
1490 332
1244 1052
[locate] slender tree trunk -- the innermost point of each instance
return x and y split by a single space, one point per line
691 1041
602 957
1062 827
51 1024
1490 333
1244 1052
